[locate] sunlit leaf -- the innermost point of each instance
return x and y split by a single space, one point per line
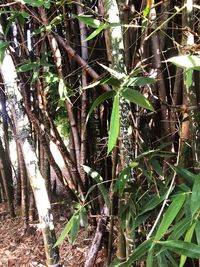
96 32
63 91
122 180
136 98
114 125
92 22
114 73
170 215
186 61
188 238
182 247
99 180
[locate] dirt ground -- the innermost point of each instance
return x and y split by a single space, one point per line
22 248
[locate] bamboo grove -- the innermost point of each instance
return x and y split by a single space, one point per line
114 85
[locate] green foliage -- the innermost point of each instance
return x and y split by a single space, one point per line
38 3
99 180
114 125
3 47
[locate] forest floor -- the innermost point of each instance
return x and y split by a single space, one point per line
22 247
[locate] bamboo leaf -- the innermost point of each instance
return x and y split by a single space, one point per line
139 252
123 178
114 125
191 62
188 77
185 174
182 247
75 228
170 215
188 238
96 32
99 100
197 231
3 47
150 257
38 3
195 197
65 231
88 20
136 98
114 73
138 81
99 180
152 203
180 228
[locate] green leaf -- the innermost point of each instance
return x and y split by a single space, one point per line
96 32
152 203
180 228
50 77
38 3
3 48
84 217
162 260
195 197
28 67
150 257
122 179
136 98
75 228
65 231
99 180
182 247
94 23
114 73
63 91
188 238
197 231
138 81
185 174
156 166
170 215
139 252
188 77
114 125
99 100
191 62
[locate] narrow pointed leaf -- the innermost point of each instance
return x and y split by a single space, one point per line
186 61
188 77
99 180
195 197
92 22
197 231
188 176
139 81
188 238
139 252
114 125
65 231
75 228
136 98
180 228
114 73
96 32
99 100
182 247
170 215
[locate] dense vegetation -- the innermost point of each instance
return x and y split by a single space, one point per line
115 86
